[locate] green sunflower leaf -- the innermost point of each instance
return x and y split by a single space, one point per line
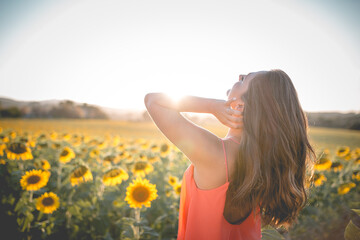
270 233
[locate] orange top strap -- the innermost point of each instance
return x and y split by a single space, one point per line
226 165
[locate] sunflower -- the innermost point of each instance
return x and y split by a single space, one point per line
319 179
102 145
323 164
141 168
343 151
154 148
42 145
76 142
129 159
336 166
34 180
115 176
18 150
92 142
168 192
121 146
27 141
66 155
143 157
355 153
177 188
111 159
140 192
87 139
5 139
2 148
44 164
173 180
115 141
55 145
153 159
12 134
123 154
164 150
145 145
53 135
94 153
48 202
345 188
79 175
356 175
66 136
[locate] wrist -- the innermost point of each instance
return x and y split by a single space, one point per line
212 106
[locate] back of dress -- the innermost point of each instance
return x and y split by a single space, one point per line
201 213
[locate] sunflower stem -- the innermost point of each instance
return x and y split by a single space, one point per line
70 196
21 165
101 190
59 175
68 219
137 220
31 196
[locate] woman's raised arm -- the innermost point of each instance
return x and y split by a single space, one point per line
197 143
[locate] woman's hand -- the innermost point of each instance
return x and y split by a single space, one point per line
222 110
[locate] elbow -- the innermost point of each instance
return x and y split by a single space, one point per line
147 99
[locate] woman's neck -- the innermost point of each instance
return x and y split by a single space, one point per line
234 134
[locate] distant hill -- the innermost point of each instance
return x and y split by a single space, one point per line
49 109
69 109
334 120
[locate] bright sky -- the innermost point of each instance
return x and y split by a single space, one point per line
111 53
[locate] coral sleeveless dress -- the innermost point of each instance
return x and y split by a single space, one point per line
201 213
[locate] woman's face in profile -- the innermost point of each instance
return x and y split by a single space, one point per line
240 87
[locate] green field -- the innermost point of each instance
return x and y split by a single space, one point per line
320 137
336 187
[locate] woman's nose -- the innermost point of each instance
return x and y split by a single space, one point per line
241 77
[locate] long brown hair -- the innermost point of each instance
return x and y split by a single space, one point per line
275 160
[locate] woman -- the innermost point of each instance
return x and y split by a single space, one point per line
256 175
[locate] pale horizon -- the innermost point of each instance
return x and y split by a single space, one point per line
112 53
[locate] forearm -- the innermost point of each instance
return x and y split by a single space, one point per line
185 104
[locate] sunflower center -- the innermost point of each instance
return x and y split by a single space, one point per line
17 148
33 179
341 150
48 201
140 166
64 153
56 145
141 194
164 148
114 173
80 172
109 158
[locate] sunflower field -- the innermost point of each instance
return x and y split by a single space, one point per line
58 185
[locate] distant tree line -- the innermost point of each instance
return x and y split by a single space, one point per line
65 109
68 109
320 119
335 120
